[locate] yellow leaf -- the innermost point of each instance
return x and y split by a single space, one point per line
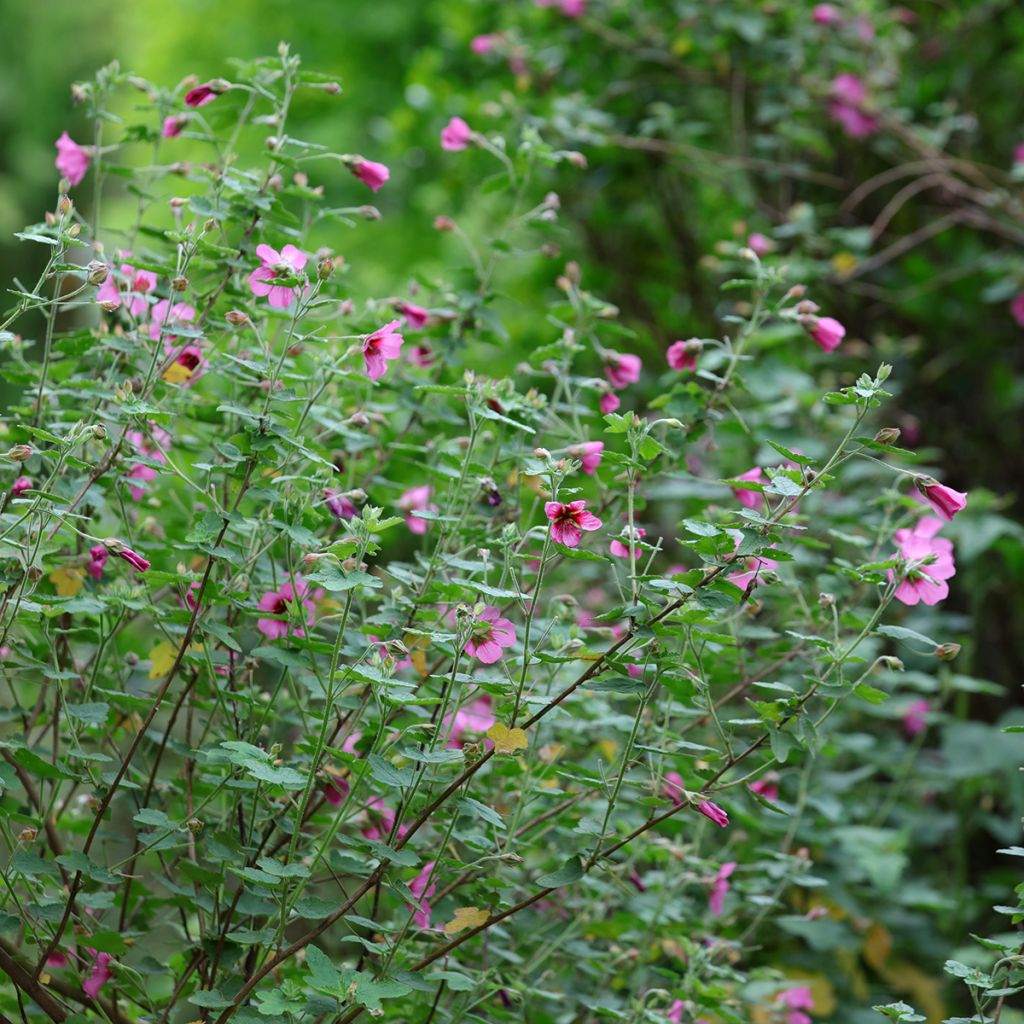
877 945
506 740
608 748
68 580
466 917
843 263
176 373
161 659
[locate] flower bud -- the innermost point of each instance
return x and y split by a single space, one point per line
892 663
97 272
325 268
888 435
20 453
331 88
443 223
541 453
236 317
65 205
576 158
74 231
947 652
827 600
195 826
28 834
368 212
796 292
99 432
358 419
179 284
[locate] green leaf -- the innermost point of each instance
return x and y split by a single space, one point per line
571 871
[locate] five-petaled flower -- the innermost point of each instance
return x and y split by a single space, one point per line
622 369
568 520
378 348
620 550
490 633
72 159
589 453
281 603
287 263
929 563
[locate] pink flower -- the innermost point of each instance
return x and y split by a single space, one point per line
335 790
828 333
201 95
619 550
289 262
574 8
589 453
99 974
761 244
173 125
188 366
137 284
72 160
421 355
846 108
1017 309
931 563
568 520
720 887
714 812
915 717
485 43
675 1012
370 173
753 565
280 603
637 881
682 355
796 1000
154 451
21 485
847 88
749 498
415 317
943 499
384 344
767 788
423 887
134 559
416 499
164 316
475 717
609 402
622 369
386 818
341 506
1018 154
673 788
491 633
826 14
98 555
456 135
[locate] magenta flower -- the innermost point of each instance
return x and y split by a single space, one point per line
944 500
72 160
415 317
341 506
682 355
490 634
846 108
421 355
675 1012
382 814
915 717
416 499
173 125
280 603
475 717
720 887
753 565
1018 158
767 788
484 43
826 14
370 173
138 283
188 366
1017 309
673 788
133 558
609 402
713 812
153 451
567 520
378 348
622 369
201 95
289 262
335 790
456 135
574 8
98 555
164 317
826 332
99 974
423 887
760 244
21 485
749 498
620 550
589 453
930 563
847 88
796 1000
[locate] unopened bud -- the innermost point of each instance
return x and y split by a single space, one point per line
541 453
331 88
65 205
20 453
827 600
888 435
358 419
552 202
109 305
796 292
97 272
99 432
312 558
179 284
324 269
807 308
892 663
443 223
236 317
74 231
368 212
195 826
276 182
947 652
576 158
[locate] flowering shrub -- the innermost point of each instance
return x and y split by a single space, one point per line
421 688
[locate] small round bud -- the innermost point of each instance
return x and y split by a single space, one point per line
20 453
331 88
325 269
358 419
65 205
576 158
443 223
892 663
97 272
28 834
541 453
368 212
236 317
74 231
99 432
888 435
195 826
947 652
179 284
827 600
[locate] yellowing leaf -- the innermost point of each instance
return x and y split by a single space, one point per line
161 659
506 740
68 580
176 373
609 749
466 917
877 945
844 262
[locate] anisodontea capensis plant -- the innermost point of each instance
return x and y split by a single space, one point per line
407 676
